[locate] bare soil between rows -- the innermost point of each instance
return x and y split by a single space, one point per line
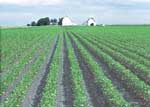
137 101
12 86
130 50
93 88
135 70
40 89
67 78
17 58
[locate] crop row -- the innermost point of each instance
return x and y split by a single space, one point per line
122 36
137 86
117 47
15 58
21 88
20 41
17 42
13 72
114 99
50 90
79 90
142 71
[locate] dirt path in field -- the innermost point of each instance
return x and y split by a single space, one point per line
12 86
60 89
93 88
125 64
126 93
67 78
34 94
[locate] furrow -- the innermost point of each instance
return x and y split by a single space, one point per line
133 95
128 96
60 89
93 88
34 93
67 78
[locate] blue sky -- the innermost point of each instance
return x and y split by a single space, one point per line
21 12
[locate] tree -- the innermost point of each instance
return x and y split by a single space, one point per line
60 21
28 24
53 21
43 21
33 23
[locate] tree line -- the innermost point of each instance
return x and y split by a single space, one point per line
46 21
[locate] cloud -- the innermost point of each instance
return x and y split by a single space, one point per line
31 2
15 12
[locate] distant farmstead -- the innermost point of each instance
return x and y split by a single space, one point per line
90 22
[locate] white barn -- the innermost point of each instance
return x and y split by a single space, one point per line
66 21
90 22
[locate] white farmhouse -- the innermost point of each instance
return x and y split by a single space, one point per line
66 21
90 22
103 25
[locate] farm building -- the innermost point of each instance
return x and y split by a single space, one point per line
66 21
90 22
103 25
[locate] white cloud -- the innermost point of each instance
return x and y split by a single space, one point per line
32 2
106 11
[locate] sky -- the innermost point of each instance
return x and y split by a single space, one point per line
21 12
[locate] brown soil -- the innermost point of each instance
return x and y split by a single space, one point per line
93 88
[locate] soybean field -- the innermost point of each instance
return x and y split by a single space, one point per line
76 66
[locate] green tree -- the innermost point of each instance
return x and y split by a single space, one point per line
60 21
53 21
43 21
28 24
33 23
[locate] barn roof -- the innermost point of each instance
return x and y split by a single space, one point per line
90 19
